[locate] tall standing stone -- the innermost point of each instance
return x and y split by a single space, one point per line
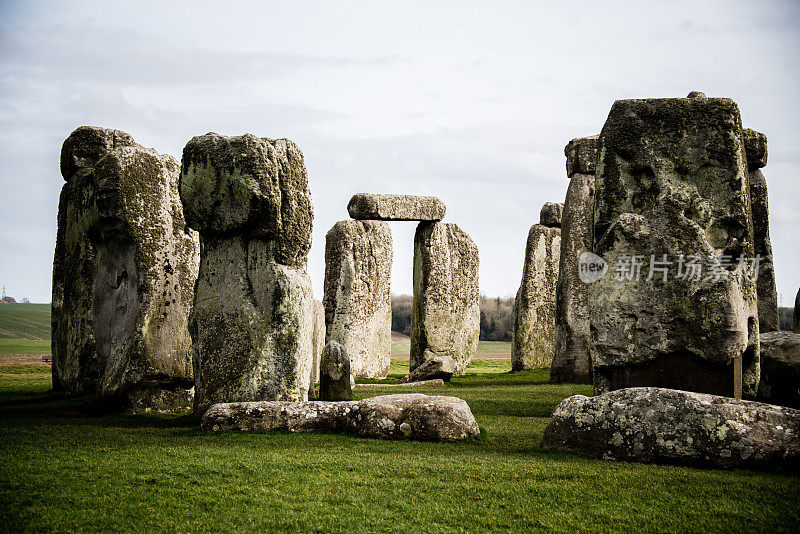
318 343
252 320
572 359
535 303
358 301
672 180
445 318
755 144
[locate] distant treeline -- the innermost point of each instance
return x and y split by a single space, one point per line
786 316
497 319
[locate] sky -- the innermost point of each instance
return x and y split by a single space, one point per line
472 102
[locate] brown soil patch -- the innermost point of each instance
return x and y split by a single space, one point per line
22 359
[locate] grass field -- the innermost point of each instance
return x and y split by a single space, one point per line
499 347
25 321
65 467
24 346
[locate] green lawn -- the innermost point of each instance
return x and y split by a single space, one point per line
65 467
24 346
25 321
504 347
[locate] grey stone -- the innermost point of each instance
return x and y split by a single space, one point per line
796 314
572 360
656 425
532 345
334 378
318 344
358 300
780 369
672 180
446 317
755 146
405 416
581 155
551 214
436 366
395 207
252 323
696 94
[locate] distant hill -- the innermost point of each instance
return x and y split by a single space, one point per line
25 321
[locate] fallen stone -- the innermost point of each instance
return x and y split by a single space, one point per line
436 366
446 316
654 425
334 379
581 155
435 383
671 181
780 369
532 344
551 214
252 323
405 416
395 207
358 299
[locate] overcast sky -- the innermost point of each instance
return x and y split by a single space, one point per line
471 102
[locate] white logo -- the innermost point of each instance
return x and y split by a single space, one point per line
591 267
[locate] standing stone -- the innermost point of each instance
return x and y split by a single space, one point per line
572 360
796 314
252 322
76 368
334 379
358 301
672 180
551 214
755 144
535 304
395 207
318 344
780 369
445 318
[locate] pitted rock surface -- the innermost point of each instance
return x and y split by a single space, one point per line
780 368
551 214
358 300
535 304
334 379
656 425
318 344
366 206
404 416
445 319
672 180
581 155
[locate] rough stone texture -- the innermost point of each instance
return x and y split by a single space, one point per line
137 274
406 416
581 155
334 379
440 366
551 214
572 361
780 369
796 318
445 317
755 144
358 300
671 180
677 427
76 368
252 323
535 305
249 186
318 344
395 207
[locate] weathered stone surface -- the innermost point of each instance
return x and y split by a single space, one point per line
358 300
445 317
535 305
780 369
252 323
123 275
672 180
696 94
677 427
439 366
250 186
572 361
551 214
796 317
395 207
334 378
756 150
581 155
318 344
406 416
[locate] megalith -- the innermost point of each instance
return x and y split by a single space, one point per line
572 360
369 206
252 322
535 304
335 373
796 315
445 318
755 144
318 344
672 191
358 302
